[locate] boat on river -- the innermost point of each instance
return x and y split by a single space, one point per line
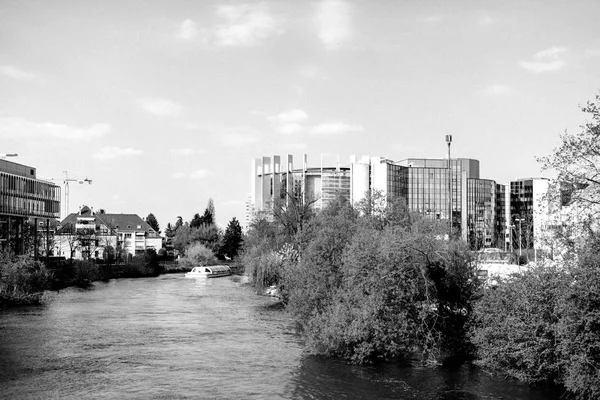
211 271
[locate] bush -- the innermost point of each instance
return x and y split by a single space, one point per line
515 326
146 264
578 330
22 280
197 254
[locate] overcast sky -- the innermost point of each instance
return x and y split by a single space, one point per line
163 104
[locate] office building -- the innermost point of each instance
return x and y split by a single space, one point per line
25 198
482 210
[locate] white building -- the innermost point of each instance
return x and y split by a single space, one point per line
86 234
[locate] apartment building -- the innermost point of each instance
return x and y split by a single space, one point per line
88 234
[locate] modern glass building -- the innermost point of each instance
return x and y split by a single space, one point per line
483 212
24 197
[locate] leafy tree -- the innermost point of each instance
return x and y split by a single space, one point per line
153 222
577 163
232 240
197 254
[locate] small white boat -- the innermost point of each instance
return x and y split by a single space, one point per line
212 271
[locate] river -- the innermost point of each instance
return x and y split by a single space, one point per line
176 338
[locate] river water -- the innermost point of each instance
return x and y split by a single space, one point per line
176 338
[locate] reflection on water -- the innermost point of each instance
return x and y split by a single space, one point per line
172 337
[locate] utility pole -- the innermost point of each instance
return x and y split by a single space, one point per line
449 141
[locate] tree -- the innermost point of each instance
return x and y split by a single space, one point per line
153 222
232 240
210 207
170 231
178 223
577 163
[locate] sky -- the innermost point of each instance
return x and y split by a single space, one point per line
164 104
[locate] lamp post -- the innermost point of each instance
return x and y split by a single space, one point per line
520 220
449 141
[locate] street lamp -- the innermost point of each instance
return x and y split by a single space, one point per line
4 155
449 141
520 220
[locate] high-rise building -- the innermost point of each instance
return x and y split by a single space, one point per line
23 197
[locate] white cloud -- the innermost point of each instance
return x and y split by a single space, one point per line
245 24
15 73
187 30
109 152
551 53
161 107
201 173
546 60
497 90
19 128
288 122
181 152
293 115
333 19
178 175
336 128
542 66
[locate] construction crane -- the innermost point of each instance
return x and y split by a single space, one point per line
66 181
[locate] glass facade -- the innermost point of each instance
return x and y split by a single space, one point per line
28 197
481 213
23 197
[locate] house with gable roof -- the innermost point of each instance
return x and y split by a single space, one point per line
87 234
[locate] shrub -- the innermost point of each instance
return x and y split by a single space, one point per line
197 254
579 328
514 325
22 280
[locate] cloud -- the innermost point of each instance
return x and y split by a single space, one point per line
178 175
288 122
542 66
550 53
187 30
200 174
161 107
545 61
497 90
333 20
245 24
109 152
336 128
15 73
293 115
181 152
19 128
